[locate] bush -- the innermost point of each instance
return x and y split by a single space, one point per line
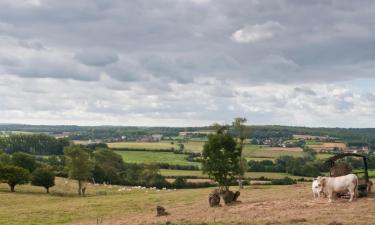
284 181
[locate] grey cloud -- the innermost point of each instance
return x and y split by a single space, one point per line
175 59
305 91
97 57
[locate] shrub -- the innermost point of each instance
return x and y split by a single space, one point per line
284 181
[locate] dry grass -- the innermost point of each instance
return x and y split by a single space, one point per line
259 205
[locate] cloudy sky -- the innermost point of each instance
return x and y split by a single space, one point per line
187 62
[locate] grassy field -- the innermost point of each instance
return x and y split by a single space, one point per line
195 146
247 174
259 204
155 157
250 151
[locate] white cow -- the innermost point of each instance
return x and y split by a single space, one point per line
315 188
343 184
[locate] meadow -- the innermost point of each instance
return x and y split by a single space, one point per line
194 146
260 204
155 157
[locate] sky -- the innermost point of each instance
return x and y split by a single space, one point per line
187 62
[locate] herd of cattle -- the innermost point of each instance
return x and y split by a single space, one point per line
329 186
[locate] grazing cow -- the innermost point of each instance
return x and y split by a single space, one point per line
342 184
315 188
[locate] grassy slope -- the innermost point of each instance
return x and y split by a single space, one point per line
259 205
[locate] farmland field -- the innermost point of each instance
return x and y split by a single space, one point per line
155 157
195 146
261 204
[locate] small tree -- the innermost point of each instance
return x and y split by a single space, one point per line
221 158
79 165
14 175
241 132
43 177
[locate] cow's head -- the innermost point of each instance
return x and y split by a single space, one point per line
321 183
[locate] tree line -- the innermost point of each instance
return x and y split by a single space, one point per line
36 144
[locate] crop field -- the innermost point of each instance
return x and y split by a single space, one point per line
155 157
252 175
194 146
269 153
197 146
327 145
260 204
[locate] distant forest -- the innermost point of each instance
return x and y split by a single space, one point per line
353 135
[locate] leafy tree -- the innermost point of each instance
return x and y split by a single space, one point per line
151 176
24 160
241 133
4 158
79 165
108 166
14 175
221 159
43 177
309 153
180 182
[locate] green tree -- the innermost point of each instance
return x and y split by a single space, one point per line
14 175
24 160
180 182
79 166
43 177
221 159
4 158
241 132
108 166
309 153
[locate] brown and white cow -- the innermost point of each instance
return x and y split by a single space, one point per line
342 184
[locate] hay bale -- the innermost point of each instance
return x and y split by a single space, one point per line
160 211
340 170
230 196
236 195
214 198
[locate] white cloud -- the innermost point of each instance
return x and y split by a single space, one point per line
257 32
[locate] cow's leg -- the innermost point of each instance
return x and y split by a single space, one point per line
330 195
352 193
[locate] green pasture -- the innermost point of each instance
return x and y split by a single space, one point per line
155 157
195 146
